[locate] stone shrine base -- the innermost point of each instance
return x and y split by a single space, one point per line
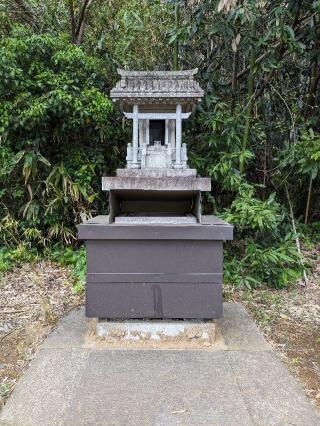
239 380
156 183
157 172
155 333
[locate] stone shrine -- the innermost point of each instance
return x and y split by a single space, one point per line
155 255
157 102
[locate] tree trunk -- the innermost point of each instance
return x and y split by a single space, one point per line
296 236
176 42
234 78
72 21
77 28
312 90
306 216
250 100
314 77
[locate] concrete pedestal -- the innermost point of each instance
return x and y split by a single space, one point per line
154 271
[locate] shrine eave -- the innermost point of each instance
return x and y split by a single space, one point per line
157 87
155 98
181 74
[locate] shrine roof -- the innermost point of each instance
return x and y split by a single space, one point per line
157 86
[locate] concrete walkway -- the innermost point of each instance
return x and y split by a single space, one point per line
240 382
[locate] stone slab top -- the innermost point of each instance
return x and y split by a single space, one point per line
157 173
99 228
141 220
239 382
166 183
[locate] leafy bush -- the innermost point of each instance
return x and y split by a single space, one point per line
251 215
75 260
10 257
256 132
251 265
54 114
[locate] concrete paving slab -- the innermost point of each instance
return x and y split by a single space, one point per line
157 388
70 332
240 383
43 395
236 328
270 393
239 330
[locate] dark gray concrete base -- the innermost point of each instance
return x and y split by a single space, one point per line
154 271
240 382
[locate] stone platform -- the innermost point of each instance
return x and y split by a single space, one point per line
145 183
156 333
158 173
238 381
144 219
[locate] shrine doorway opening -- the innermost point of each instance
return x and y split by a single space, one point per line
157 131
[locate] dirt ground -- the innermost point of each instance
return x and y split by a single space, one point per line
34 297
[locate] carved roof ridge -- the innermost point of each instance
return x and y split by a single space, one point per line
157 74
160 86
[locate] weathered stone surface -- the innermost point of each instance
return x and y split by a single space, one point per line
157 157
143 220
157 173
165 96
157 86
179 332
157 184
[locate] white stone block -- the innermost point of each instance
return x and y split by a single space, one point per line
203 332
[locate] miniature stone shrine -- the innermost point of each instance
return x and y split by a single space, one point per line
157 102
155 255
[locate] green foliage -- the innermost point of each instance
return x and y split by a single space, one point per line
256 133
10 257
134 33
251 215
253 265
54 112
310 234
302 159
73 259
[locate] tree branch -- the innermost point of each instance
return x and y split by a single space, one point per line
81 22
72 21
26 13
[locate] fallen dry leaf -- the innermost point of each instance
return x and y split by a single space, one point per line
179 411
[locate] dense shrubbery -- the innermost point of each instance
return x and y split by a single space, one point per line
256 133
57 136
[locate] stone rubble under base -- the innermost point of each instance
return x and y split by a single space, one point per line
175 331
